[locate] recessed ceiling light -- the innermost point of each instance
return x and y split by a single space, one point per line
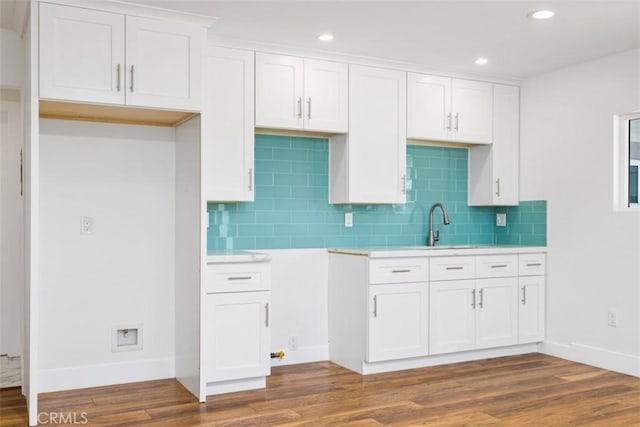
325 37
482 61
542 14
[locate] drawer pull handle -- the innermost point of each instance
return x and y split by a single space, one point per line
407 270
239 278
458 267
499 266
534 264
266 315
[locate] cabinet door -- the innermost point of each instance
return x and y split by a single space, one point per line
496 312
505 147
228 131
279 83
81 54
325 96
428 107
531 309
472 105
377 141
397 321
164 64
451 316
237 337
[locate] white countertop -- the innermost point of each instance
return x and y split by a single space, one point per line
226 256
426 251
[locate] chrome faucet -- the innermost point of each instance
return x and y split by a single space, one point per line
432 239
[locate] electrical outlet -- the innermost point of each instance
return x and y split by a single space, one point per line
348 219
293 343
501 219
86 225
612 319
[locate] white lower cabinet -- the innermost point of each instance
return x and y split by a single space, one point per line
531 304
236 330
237 340
388 313
451 316
397 321
478 310
496 312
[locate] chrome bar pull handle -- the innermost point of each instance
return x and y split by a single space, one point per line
499 266
498 187
524 295
250 179
266 315
299 107
132 79
457 267
481 297
375 306
118 77
457 121
449 122
309 108
406 270
404 184
534 264
473 302
239 278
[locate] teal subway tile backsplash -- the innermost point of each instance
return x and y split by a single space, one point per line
526 224
291 208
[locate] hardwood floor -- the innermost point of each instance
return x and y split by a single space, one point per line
528 390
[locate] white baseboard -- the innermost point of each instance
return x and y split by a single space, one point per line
595 356
236 385
317 353
443 359
105 374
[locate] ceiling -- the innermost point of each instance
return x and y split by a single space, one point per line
446 35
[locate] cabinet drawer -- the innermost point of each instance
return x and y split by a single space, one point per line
531 264
452 268
496 266
398 270
237 277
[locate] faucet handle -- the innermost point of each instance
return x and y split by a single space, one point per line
436 237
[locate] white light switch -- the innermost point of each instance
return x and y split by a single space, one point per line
86 225
501 219
348 219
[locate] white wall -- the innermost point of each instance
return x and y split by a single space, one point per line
299 304
123 177
12 68
594 252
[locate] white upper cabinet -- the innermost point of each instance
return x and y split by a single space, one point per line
446 109
326 96
104 57
369 164
228 130
164 64
81 54
279 83
297 93
493 169
429 106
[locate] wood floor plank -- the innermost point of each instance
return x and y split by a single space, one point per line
526 390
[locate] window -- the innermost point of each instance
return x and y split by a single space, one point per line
627 161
